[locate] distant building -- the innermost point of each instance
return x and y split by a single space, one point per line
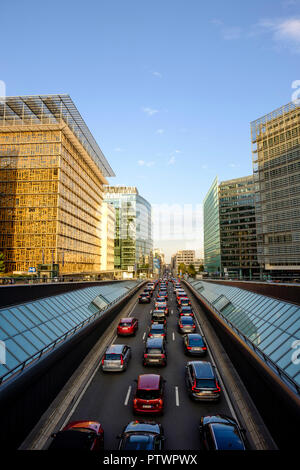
158 261
108 237
185 257
230 229
133 245
52 173
198 263
276 166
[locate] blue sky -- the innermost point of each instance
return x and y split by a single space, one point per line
168 88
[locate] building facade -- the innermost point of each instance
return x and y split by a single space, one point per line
185 257
211 227
276 166
230 246
133 231
158 262
51 185
108 237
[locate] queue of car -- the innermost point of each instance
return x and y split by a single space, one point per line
216 431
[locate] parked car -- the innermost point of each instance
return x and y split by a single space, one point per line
79 435
155 353
142 435
127 326
149 394
201 381
116 358
186 324
194 344
221 432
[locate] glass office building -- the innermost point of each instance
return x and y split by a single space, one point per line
52 173
230 229
133 232
211 225
276 167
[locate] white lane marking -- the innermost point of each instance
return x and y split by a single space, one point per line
177 396
173 336
127 396
171 312
144 335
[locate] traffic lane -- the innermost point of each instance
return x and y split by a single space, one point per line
105 398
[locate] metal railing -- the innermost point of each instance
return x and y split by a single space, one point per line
35 357
282 374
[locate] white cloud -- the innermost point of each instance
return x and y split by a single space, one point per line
233 165
171 161
118 149
150 111
144 163
177 151
157 74
285 32
232 33
160 131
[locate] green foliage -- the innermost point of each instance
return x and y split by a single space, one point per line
191 270
182 268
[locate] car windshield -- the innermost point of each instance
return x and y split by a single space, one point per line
147 394
112 357
154 351
206 383
125 323
227 437
157 329
138 442
195 342
186 309
187 321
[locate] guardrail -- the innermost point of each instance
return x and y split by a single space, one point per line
282 374
35 357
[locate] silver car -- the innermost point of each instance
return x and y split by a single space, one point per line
186 324
116 358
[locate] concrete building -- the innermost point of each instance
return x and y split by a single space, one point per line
230 229
185 257
51 185
276 166
133 230
108 237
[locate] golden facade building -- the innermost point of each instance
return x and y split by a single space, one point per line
52 173
108 237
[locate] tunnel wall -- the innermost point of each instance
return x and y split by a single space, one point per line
24 399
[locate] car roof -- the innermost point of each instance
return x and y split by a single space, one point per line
193 335
226 436
130 319
143 426
154 342
156 325
203 370
149 381
186 319
115 348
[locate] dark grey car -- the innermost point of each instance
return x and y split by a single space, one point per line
186 324
201 381
116 358
155 353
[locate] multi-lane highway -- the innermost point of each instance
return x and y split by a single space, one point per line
108 397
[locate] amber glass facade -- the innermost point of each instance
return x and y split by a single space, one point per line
50 195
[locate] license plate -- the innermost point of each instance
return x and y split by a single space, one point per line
154 360
147 406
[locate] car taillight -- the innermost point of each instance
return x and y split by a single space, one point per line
160 402
122 360
194 385
163 356
102 362
194 326
204 348
135 401
188 347
218 387
145 355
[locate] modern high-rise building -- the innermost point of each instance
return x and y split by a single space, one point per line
133 232
108 237
230 228
276 166
52 173
158 261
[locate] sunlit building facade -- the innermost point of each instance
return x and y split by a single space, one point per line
52 173
108 237
211 227
133 229
276 166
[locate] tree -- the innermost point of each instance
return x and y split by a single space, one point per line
2 263
191 270
182 268
201 268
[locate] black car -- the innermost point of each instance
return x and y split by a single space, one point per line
194 344
144 297
148 290
159 316
201 381
220 432
186 310
155 353
142 435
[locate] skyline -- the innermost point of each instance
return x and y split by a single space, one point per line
169 106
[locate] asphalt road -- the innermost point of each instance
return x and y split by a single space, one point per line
108 398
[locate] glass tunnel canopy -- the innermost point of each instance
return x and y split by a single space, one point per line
272 325
27 328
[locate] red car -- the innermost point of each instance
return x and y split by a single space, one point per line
85 435
149 394
127 326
